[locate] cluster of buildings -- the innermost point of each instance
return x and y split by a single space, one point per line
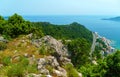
105 44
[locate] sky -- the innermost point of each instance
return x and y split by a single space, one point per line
60 7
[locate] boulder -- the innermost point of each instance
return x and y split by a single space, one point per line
37 75
60 72
60 51
52 61
41 63
3 40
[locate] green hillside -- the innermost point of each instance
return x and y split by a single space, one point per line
30 49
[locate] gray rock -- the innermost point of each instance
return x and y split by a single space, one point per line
44 71
3 40
33 75
41 63
37 75
52 61
60 51
59 57
61 72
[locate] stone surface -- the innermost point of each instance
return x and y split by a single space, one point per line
60 56
37 75
53 63
60 51
62 71
2 39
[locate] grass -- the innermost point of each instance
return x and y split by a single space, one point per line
13 60
71 71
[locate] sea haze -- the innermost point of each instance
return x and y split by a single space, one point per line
106 28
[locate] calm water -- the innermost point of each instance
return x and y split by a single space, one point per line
109 29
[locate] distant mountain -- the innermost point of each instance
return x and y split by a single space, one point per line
113 19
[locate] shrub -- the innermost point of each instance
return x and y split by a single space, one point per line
6 60
32 68
42 50
24 61
45 50
3 46
71 71
15 70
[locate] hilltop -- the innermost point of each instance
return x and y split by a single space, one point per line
45 56
32 48
42 49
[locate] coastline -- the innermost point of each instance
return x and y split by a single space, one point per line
107 42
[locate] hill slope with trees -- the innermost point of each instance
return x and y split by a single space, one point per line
26 46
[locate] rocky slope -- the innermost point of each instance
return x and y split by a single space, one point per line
50 56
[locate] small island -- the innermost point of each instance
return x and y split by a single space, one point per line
113 19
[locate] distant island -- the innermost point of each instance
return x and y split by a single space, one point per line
113 19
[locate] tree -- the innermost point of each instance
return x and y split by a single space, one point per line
15 19
1 18
113 63
79 50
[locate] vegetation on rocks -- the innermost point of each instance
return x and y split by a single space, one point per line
32 50
2 46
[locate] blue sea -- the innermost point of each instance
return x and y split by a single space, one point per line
106 28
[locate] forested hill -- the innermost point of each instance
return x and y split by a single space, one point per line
70 31
28 49
16 25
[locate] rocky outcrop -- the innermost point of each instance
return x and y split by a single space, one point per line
53 43
60 51
50 63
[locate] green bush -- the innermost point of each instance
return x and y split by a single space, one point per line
113 65
45 50
6 60
79 49
3 46
15 70
71 71
24 61
16 25
91 70
32 68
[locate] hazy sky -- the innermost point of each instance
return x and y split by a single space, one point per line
60 7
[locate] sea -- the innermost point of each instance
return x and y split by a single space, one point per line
105 28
